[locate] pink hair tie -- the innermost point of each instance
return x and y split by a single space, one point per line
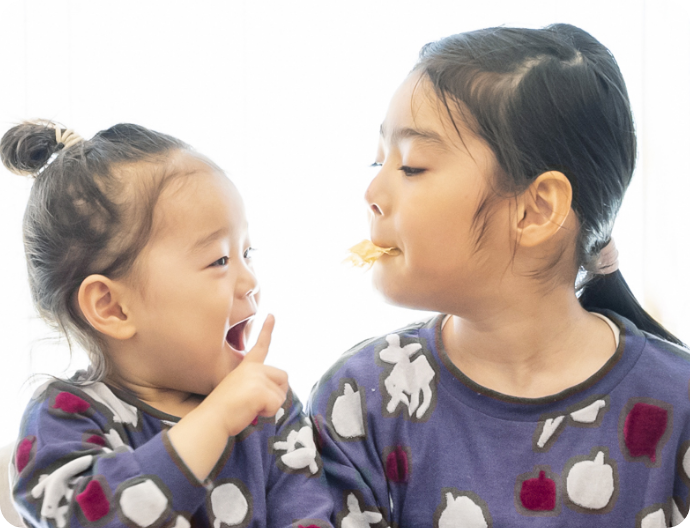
607 261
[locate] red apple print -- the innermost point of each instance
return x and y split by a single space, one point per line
93 501
397 468
95 439
644 427
70 403
538 494
310 526
23 456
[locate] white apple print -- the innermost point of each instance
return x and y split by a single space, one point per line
589 414
550 427
347 417
143 503
461 512
656 519
229 505
590 483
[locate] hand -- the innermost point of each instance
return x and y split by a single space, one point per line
252 389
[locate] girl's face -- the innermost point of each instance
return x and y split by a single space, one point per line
423 201
196 292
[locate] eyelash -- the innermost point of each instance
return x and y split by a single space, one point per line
223 261
409 171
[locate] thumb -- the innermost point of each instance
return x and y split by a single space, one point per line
259 352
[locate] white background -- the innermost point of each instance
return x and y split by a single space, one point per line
287 96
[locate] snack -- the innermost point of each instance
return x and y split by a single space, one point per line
366 253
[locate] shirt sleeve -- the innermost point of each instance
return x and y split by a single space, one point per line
297 494
354 469
73 467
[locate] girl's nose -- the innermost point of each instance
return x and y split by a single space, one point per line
374 197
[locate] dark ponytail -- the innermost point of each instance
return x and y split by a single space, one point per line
611 292
549 99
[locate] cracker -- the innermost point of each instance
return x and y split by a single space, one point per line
366 253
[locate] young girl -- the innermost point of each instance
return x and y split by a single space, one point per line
504 158
138 249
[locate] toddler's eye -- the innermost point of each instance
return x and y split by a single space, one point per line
376 164
248 252
411 171
222 261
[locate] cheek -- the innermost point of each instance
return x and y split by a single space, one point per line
439 241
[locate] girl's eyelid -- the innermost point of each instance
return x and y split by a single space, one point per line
411 171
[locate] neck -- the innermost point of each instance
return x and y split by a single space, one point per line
173 402
532 346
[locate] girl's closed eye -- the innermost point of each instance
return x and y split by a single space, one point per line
411 171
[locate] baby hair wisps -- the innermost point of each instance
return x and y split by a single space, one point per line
90 211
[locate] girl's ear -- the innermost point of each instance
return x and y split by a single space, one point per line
543 208
102 301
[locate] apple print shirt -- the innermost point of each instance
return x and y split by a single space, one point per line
96 456
408 441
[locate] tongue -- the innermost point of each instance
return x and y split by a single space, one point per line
235 337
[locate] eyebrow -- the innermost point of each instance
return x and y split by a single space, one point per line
207 240
424 135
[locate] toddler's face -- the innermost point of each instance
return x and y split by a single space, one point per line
423 202
198 291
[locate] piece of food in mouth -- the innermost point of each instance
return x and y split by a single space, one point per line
366 253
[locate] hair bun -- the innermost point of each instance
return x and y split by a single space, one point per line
25 148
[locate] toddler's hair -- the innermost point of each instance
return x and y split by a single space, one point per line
90 211
548 99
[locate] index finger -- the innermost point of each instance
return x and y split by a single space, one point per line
259 352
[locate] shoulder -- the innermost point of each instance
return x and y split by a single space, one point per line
360 365
656 358
69 399
667 358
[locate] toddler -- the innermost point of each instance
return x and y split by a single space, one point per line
138 249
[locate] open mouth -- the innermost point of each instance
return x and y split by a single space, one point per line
235 336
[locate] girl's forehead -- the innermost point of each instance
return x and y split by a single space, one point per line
416 112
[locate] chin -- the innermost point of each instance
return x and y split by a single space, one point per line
393 293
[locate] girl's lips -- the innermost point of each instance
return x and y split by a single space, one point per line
235 336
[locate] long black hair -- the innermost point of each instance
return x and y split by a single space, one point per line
550 99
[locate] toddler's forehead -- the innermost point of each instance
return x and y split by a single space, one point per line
196 195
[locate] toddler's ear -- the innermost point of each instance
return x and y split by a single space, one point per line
101 301
543 208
